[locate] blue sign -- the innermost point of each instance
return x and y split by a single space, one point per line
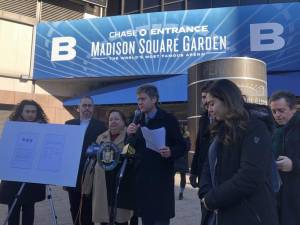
168 42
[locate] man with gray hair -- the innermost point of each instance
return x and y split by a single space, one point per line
93 129
286 147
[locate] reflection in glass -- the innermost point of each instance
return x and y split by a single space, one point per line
252 2
113 8
132 5
223 3
154 9
151 3
197 4
174 6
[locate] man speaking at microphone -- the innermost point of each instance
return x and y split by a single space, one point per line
155 178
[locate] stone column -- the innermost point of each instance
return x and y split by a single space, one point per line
248 73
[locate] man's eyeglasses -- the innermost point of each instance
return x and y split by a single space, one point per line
30 111
86 105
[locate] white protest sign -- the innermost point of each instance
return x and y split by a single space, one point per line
41 153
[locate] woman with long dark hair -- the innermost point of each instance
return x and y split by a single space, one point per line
29 111
236 181
26 111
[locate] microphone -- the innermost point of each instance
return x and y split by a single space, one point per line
92 150
136 120
137 116
128 151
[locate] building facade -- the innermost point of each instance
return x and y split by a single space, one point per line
18 20
124 7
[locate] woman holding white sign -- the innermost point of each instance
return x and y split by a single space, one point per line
26 111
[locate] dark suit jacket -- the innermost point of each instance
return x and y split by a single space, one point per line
202 145
155 175
94 129
289 196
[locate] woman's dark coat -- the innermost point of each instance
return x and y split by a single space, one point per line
243 194
289 198
30 194
155 178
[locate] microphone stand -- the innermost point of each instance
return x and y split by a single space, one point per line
50 199
14 203
113 211
17 197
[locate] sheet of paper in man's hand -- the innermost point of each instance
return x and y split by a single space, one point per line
155 139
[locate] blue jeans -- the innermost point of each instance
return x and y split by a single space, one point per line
155 222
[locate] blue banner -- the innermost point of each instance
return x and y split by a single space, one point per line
168 42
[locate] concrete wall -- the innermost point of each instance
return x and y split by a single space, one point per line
12 91
16 46
16 83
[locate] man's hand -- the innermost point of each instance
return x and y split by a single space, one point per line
165 152
284 164
204 204
132 128
194 180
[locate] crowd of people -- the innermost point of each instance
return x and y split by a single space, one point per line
246 163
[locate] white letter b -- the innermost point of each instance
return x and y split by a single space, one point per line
63 52
275 41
